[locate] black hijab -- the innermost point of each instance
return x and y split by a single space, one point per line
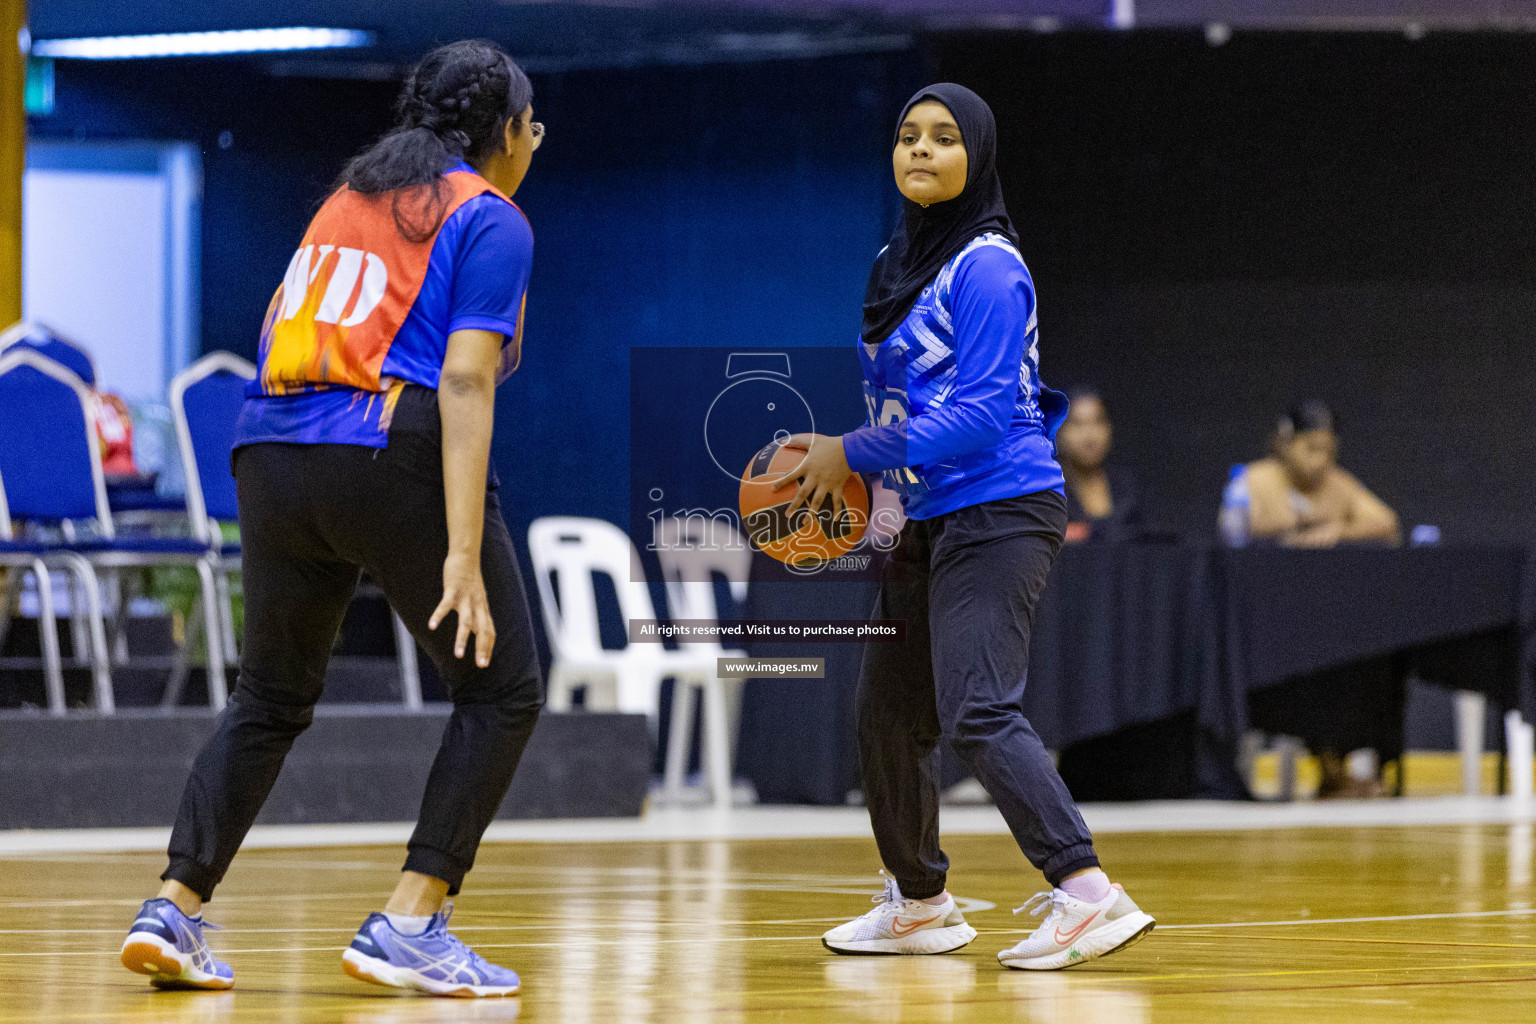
926 239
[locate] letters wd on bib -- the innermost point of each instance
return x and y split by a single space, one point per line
360 312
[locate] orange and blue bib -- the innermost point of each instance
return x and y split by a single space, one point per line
363 310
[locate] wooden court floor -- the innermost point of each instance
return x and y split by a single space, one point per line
1370 924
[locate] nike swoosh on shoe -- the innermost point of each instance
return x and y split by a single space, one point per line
899 930
1071 936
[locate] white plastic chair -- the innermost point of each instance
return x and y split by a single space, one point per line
1471 718
1519 745
566 551
691 551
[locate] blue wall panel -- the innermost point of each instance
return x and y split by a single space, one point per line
726 205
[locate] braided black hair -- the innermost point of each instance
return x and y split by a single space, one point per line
455 106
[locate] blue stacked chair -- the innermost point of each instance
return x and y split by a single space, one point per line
52 466
205 401
65 351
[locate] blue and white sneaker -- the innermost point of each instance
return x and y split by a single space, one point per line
434 961
168 946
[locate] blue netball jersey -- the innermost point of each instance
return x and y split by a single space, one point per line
362 311
957 413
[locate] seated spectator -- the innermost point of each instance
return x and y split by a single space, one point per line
1103 500
1301 497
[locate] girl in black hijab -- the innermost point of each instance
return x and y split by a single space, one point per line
930 235
962 428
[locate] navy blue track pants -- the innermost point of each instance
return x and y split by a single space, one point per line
966 583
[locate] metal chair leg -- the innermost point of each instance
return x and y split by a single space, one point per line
181 661
119 631
79 631
218 691
95 630
410 671
227 618
48 628
8 594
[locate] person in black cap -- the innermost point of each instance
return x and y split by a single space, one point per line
1301 497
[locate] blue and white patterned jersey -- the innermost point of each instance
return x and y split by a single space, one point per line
957 413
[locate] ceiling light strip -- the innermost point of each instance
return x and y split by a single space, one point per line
202 44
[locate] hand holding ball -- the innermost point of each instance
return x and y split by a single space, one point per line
776 506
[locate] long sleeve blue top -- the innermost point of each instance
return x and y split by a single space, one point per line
957 413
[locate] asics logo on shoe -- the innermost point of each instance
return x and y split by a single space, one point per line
202 956
914 926
450 968
1071 936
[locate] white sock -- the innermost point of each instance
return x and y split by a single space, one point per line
1090 887
405 924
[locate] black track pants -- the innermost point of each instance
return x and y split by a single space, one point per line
311 517
966 583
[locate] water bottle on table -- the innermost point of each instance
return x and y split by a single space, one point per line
1234 508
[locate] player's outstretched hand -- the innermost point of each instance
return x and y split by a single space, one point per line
464 594
822 472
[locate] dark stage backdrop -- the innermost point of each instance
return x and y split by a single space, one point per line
733 205
1214 231
1217 232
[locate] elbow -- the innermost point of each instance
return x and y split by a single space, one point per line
466 383
1392 529
978 433
988 431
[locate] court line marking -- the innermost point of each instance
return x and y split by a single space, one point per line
1108 985
1454 915
1517 912
690 887
1390 942
657 871
833 823
739 887
587 942
1358 986
624 925
1101 990
773 922
1016 999
1313 971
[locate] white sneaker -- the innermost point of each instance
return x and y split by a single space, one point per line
900 925
1075 932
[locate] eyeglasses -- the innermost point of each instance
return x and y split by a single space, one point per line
538 132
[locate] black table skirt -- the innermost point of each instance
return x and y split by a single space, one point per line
1149 662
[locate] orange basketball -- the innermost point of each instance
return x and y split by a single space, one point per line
809 540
